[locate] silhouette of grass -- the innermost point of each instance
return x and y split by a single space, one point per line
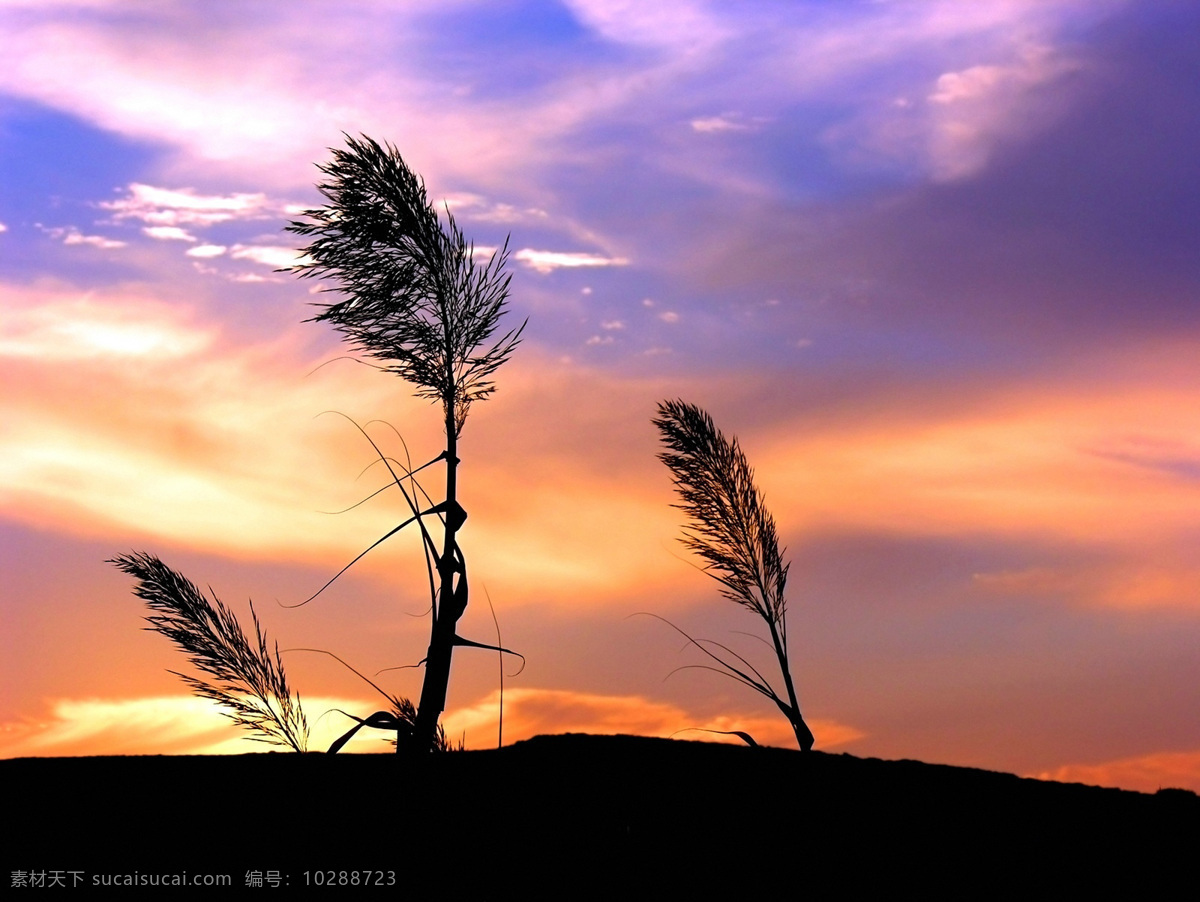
416 301
734 534
248 678
401 719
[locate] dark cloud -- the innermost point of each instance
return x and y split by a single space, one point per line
1083 233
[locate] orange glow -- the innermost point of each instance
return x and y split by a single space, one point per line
530 712
1145 773
185 725
1111 464
171 725
191 441
223 449
1057 466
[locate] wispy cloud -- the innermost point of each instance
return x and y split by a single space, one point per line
152 443
206 250
684 26
726 122
62 326
548 261
168 209
272 255
70 235
164 725
476 208
168 233
1025 470
177 450
683 56
1127 581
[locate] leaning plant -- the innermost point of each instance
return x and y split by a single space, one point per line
734 534
417 300
247 675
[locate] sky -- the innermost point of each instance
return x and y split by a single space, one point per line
935 264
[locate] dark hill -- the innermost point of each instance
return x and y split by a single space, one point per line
598 817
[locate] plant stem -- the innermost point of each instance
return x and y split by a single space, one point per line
804 736
448 608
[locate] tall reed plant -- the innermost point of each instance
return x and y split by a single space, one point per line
416 299
734 534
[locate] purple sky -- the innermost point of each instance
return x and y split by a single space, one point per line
936 264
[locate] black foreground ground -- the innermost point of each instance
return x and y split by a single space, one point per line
594 817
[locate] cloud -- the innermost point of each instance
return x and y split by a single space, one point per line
477 208
130 435
166 209
935 90
163 725
206 250
72 236
185 83
101 444
548 261
950 128
974 109
1021 464
236 93
683 26
186 725
726 122
224 450
1172 457
272 255
87 65
168 233
80 326
1124 581
1144 773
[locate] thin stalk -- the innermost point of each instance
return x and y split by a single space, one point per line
734 534
804 736
447 608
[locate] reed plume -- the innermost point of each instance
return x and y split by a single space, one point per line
247 677
732 531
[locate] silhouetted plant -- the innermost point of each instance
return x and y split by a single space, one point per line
248 677
418 302
734 534
400 719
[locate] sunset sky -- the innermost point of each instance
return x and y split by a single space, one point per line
936 264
